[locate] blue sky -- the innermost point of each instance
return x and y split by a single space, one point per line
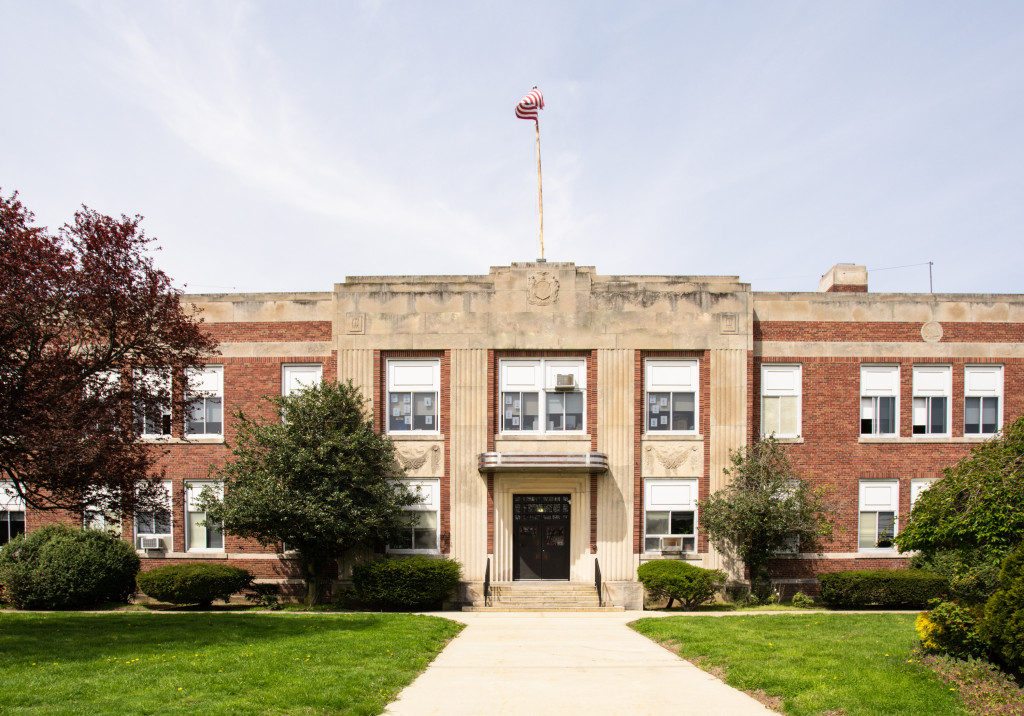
283 146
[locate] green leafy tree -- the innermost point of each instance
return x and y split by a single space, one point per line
763 509
317 478
978 505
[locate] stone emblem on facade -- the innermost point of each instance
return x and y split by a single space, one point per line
355 323
675 461
931 332
419 460
543 288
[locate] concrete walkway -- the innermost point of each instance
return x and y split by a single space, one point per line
564 663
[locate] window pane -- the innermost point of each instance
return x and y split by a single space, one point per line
920 416
990 415
657 523
886 528
162 522
788 415
867 416
424 411
555 410
868 530
972 415
531 411
658 411
144 524
682 411
682 523
214 415
215 536
652 544
886 415
574 411
404 540
399 407
511 407
424 538
196 532
195 424
937 411
770 415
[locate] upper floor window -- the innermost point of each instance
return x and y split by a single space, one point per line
780 400
543 395
204 390
670 515
200 532
983 393
671 396
879 399
298 376
879 503
12 513
419 533
413 387
152 418
933 386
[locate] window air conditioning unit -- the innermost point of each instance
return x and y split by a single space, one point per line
565 381
151 543
672 544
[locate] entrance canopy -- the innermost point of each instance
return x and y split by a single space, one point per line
592 462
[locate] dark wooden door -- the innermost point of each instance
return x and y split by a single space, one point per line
541 531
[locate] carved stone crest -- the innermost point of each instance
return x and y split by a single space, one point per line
931 332
415 459
543 288
675 461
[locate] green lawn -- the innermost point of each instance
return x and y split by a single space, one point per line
819 663
255 663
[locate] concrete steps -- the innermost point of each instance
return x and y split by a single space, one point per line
541 597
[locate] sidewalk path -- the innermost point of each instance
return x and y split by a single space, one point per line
552 663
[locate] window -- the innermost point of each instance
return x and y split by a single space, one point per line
670 515
205 394
917 487
153 529
12 513
879 399
94 518
933 386
544 395
780 400
879 500
671 396
420 531
413 389
153 419
983 392
199 533
299 376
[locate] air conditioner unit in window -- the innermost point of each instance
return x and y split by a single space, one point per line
565 381
151 543
671 544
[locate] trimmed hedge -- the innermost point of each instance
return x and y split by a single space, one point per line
194 583
61 567
406 583
677 580
905 588
1003 623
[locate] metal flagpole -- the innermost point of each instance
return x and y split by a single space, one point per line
540 192
527 109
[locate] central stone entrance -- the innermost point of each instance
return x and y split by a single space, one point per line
540 526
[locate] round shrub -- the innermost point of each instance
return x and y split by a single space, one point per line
406 583
61 567
802 600
952 629
674 579
1003 623
898 588
194 583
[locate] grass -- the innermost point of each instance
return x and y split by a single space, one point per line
228 663
849 664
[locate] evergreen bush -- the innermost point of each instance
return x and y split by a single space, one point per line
194 583
406 583
973 576
61 567
952 629
1003 623
673 579
903 588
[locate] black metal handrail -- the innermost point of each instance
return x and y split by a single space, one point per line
597 581
487 583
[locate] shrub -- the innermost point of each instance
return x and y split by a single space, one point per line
973 576
406 583
194 583
952 629
61 567
676 580
802 600
1003 623
907 588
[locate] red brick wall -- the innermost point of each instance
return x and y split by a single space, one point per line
269 332
885 331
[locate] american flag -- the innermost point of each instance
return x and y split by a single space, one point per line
528 105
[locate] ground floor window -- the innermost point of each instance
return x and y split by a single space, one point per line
879 503
12 513
670 515
202 533
153 527
420 531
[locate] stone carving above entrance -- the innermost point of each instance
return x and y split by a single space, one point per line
419 460
543 288
674 460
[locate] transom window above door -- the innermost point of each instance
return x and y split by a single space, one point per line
544 395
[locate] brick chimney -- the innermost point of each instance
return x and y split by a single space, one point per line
844 278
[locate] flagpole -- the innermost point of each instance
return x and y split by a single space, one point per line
540 191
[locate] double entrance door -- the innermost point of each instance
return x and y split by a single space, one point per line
541 527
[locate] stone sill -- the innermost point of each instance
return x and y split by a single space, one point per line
415 437
162 440
798 440
866 440
673 437
551 437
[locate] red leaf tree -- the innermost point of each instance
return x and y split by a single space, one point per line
84 313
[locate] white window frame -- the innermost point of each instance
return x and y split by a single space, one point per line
984 382
408 378
515 378
670 375
94 518
878 497
671 494
204 384
193 489
10 502
919 485
299 376
878 381
931 381
430 502
782 380
166 538
158 379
